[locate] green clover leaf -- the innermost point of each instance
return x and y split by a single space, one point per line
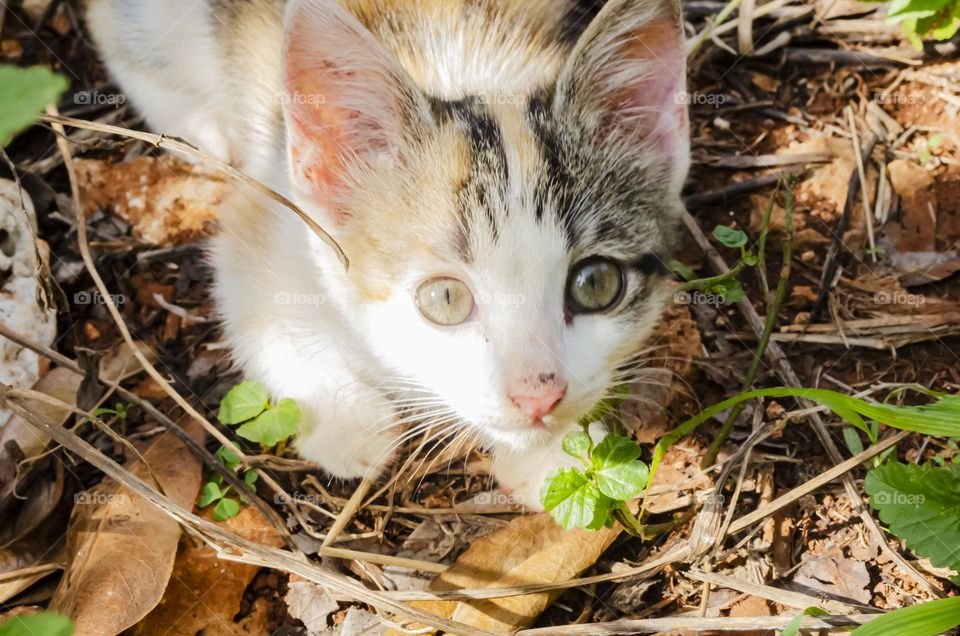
244 402
273 425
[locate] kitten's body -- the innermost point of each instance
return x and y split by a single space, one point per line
460 140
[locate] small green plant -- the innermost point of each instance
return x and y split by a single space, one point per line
120 411
41 623
937 19
248 407
921 505
216 491
574 497
726 288
596 495
24 92
930 145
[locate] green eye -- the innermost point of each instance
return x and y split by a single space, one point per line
445 301
595 284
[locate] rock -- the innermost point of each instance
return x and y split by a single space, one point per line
19 311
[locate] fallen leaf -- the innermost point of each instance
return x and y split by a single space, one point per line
915 231
64 384
309 603
825 190
830 572
205 591
165 200
121 547
360 622
532 549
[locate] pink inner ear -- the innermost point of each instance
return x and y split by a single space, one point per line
318 143
345 101
656 100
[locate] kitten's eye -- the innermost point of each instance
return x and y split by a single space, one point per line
595 284
445 301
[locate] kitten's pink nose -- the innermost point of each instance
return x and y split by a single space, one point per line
541 401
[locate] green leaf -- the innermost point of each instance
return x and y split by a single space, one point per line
729 236
925 619
940 418
602 513
211 492
227 458
250 477
750 260
793 627
731 292
684 272
576 444
914 9
921 504
244 402
571 498
24 92
39 624
225 509
623 482
614 450
274 425
619 475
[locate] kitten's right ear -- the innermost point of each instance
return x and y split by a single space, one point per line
349 106
624 84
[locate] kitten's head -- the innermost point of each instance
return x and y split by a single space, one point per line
507 257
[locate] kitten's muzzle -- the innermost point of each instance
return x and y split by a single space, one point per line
539 402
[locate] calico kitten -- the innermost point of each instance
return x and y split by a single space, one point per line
504 175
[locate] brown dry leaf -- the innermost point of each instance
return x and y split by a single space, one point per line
60 383
826 189
63 384
916 231
913 239
533 549
831 572
309 603
164 199
204 593
122 547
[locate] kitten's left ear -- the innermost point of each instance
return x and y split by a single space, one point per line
349 105
625 83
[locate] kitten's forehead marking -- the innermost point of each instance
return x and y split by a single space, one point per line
511 171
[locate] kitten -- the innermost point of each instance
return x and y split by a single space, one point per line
504 175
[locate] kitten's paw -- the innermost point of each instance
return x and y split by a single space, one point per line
522 475
350 441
